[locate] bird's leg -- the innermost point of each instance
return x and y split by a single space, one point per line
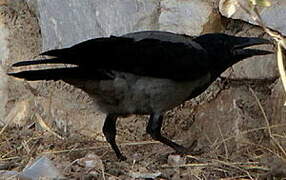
109 131
154 129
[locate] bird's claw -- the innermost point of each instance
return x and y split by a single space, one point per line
121 158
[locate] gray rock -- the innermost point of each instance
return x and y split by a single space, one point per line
5 174
18 40
188 17
66 22
273 17
259 67
276 111
41 168
224 120
275 105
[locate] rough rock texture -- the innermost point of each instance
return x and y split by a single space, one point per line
19 39
273 17
68 110
277 111
103 18
16 43
91 19
277 101
230 115
189 17
24 39
255 68
259 67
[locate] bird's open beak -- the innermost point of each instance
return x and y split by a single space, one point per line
243 42
242 47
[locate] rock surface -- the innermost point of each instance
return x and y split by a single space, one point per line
276 108
91 19
258 67
233 112
188 17
272 16
17 43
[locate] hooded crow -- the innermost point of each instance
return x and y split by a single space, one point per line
146 72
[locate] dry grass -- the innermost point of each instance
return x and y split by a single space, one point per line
19 146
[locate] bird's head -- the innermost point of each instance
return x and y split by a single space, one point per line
226 50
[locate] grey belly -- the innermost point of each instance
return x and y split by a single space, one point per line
131 94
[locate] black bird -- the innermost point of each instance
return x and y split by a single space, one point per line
146 72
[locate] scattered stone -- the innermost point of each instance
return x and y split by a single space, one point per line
43 167
176 160
91 161
144 175
11 175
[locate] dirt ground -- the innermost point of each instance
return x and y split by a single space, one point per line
261 156
146 158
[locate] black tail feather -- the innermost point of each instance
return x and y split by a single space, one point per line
53 69
41 61
59 74
47 74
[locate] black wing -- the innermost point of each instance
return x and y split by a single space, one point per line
150 53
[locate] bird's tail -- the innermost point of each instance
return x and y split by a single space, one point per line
43 69
49 69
